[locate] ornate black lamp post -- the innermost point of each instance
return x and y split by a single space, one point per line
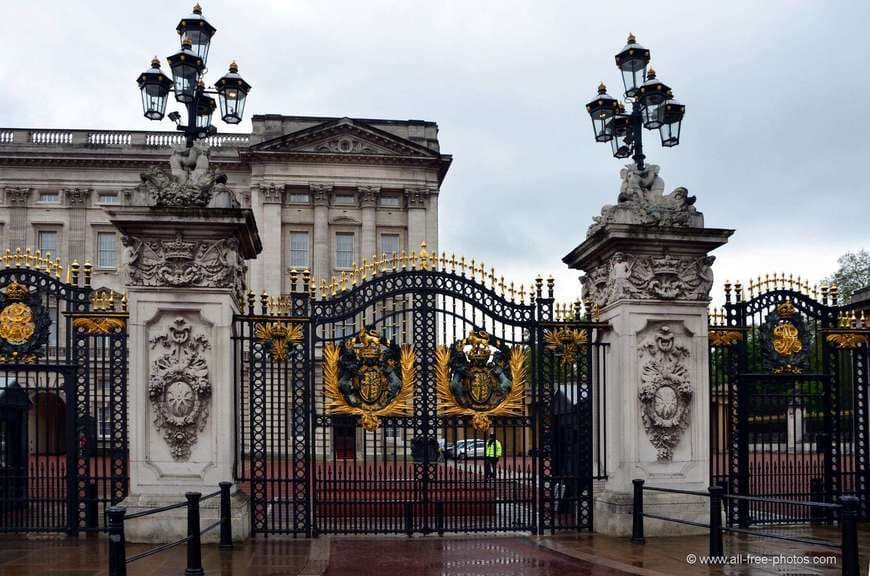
188 67
652 107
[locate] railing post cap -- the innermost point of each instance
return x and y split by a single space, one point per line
117 510
638 481
226 483
716 489
193 495
850 502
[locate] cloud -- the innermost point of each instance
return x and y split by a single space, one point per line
772 139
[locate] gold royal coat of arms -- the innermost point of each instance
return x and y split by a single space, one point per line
480 377
370 377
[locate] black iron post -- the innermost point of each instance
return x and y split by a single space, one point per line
716 548
637 513
117 542
226 517
637 134
849 528
194 544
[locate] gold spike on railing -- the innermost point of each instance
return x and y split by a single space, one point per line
424 256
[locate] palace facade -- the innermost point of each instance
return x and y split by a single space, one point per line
326 192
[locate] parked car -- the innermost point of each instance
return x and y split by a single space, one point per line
472 448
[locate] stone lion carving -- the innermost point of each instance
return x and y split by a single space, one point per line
642 201
665 391
188 184
179 387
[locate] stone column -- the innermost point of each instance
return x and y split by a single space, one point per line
647 269
432 222
18 199
272 197
77 233
187 268
368 196
416 202
320 195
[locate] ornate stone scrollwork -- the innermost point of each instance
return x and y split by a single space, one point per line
185 263
665 391
649 278
642 201
77 196
18 196
179 388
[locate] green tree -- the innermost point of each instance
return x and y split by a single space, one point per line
853 272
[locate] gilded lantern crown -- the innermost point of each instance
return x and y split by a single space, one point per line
786 310
16 291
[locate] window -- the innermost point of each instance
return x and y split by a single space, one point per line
109 199
104 422
390 201
345 200
298 198
344 250
107 251
49 197
299 250
46 241
389 244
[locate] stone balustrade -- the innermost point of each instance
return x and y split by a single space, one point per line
110 138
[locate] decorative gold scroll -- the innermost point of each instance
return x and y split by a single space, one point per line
98 324
725 338
847 340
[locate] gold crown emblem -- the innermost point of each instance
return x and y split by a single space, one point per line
366 344
786 310
16 291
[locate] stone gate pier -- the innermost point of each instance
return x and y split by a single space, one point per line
647 267
186 245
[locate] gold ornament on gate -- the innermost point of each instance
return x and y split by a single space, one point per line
786 339
17 324
565 342
480 377
370 377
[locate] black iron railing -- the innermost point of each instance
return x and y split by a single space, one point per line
846 512
118 558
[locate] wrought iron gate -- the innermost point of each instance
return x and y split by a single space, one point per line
415 394
63 397
789 400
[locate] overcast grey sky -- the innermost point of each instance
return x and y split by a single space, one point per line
773 134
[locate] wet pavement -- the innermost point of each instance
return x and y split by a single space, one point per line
483 556
479 555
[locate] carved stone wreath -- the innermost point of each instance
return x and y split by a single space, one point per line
665 391
179 388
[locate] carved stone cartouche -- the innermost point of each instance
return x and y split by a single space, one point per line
665 391
179 387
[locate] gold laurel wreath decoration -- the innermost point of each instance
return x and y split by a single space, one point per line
337 404
279 335
511 405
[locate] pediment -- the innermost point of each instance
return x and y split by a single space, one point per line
345 136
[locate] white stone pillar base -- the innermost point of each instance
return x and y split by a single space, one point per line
172 525
612 513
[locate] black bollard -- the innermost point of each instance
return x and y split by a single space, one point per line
637 513
194 545
849 528
117 542
226 517
716 547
